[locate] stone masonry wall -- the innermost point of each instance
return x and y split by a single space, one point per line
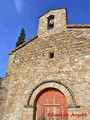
3 95
31 64
59 23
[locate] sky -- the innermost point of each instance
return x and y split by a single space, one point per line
18 14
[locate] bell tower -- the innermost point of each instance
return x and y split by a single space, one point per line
52 22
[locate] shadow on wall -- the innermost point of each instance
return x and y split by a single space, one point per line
3 95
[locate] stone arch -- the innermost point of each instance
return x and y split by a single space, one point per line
52 84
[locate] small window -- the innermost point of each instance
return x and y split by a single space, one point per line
50 22
51 55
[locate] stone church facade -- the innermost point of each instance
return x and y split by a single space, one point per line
48 77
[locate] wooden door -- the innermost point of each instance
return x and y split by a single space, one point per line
51 105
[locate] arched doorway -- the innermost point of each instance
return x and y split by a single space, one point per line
51 104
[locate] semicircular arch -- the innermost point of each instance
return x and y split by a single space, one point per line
51 84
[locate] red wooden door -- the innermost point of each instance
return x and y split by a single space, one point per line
51 105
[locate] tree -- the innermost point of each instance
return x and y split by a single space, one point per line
21 38
1 79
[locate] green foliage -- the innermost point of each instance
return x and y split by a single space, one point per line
21 38
1 79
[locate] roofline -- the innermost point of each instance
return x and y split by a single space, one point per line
22 45
78 26
51 10
69 25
